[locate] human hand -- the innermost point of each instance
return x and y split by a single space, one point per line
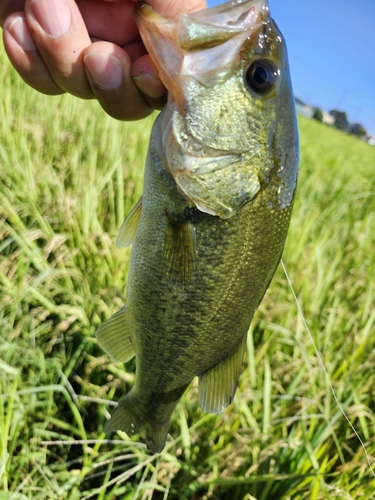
88 48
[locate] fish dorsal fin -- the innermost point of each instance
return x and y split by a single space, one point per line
179 247
114 336
129 227
218 384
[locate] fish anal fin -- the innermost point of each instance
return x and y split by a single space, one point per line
114 337
126 418
129 227
218 385
179 247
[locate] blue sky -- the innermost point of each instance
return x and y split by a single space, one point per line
331 45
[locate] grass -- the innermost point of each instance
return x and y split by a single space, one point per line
68 176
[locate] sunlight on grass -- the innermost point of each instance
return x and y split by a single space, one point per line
68 176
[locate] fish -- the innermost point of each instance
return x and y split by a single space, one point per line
209 230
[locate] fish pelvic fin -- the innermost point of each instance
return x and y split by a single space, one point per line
114 336
179 246
129 227
126 418
218 385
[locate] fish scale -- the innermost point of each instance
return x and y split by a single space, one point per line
210 228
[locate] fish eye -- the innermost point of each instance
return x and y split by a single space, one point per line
262 76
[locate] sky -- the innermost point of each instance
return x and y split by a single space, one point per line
331 46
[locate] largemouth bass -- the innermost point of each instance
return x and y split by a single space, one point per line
210 228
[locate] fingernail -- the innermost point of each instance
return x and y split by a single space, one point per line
104 69
53 16
150 85
19 30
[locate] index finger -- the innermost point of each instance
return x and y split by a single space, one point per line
110 21
174 8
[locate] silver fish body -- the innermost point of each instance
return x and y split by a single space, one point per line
209 231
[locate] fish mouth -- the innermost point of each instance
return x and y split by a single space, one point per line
169 42
197 52
178 49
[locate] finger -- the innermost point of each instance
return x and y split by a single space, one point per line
24 56
146 78
109 73
61 37
8 7
113 22
174 8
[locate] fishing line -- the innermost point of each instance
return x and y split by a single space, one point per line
324 369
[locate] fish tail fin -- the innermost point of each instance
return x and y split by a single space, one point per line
156 436
126 418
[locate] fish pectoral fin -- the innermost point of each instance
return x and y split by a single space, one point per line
126 417
114 337
179 248
129 228
218 385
